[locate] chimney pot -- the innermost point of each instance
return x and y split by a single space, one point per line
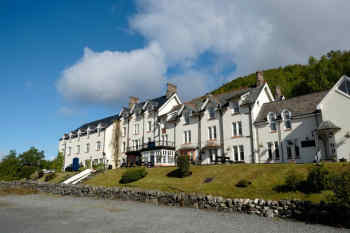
132 101
171 89
259 78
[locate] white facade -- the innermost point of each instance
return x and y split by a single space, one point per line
247 125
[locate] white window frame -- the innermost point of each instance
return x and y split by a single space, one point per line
211 113
87 147
235 108
149 126
98 145
272 119
287 119
78 149
212 132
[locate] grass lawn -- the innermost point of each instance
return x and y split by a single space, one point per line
264 178
60 177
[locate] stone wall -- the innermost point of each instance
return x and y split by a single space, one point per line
304 210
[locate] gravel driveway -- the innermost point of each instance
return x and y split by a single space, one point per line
45 214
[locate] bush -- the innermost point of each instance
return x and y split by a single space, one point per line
318 179
342 160
50 176
243 183
293 181
98 167
341 189
183 164
132 175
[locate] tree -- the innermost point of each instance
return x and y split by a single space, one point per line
32 157
58 162
10 166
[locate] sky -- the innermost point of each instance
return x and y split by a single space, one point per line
65 63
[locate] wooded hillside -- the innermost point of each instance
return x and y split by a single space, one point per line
320 74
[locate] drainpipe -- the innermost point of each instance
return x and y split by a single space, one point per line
199 138
251 133
280 141
221 128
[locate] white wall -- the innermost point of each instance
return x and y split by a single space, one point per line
335 107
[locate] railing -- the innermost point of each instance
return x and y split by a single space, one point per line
151 145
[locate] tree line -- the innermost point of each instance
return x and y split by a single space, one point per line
24 165
294 80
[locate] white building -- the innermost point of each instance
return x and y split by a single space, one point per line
246 125
90 142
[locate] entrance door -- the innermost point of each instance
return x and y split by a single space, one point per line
75 165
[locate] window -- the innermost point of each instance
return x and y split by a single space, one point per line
277 151
124 147
211 112
136 129
98 145
286 117
164 158
296 149
187 117
240 133
124 131
345 86
271 118
237 128
269 149
212 154
212 132
165 139
69 150
241 152
235 153
78 149
235 108
149 126
187 136
87 147
234 129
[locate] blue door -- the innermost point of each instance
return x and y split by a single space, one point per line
75 166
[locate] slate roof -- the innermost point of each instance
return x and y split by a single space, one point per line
156 102
299 105
105 122
326 125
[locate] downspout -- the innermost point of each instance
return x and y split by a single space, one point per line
221 136
251 133
257 143
280 141
199 138
143 129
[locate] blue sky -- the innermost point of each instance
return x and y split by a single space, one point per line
64 63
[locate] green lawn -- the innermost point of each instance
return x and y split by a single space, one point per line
60 177
264 178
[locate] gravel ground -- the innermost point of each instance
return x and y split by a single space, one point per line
44 214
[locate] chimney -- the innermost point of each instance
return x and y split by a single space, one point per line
279 95
171 89
259 78
132 101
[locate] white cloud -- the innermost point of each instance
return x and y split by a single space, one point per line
112 76
249 35
66 111
252 34
191 84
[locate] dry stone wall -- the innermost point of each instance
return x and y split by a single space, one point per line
284 208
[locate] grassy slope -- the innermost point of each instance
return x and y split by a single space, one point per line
60 177
263 177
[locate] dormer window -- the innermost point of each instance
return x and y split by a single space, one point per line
235 108
99 129
286 117
271 118
211 112
88 132
344 87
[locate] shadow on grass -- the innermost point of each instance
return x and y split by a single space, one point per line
178 174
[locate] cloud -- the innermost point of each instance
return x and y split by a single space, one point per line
66 111
245 35
250 34
113 76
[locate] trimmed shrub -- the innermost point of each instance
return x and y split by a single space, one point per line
318 179
183 164
243 183
50 176
132 175
293 181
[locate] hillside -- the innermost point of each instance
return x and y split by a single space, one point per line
320 74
